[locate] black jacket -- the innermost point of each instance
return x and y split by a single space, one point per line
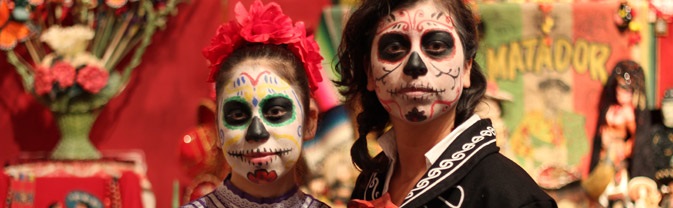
470 173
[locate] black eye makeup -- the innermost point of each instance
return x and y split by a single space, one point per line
236 113
393 46
277 110
437 44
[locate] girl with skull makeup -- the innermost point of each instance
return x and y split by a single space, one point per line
413 69
265 70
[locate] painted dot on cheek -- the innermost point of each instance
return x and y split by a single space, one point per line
299 131
221 137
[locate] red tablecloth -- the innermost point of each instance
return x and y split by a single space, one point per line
50 183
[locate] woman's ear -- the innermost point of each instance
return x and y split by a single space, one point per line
466 73
311 121
371 82
218 140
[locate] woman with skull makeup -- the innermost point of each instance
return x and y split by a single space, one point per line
413 69
265 70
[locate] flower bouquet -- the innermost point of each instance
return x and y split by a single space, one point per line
75 55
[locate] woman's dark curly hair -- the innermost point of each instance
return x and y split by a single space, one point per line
355 61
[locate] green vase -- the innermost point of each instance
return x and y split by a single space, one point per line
75 143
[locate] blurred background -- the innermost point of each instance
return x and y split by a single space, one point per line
554 69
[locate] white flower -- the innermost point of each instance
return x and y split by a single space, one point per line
68 41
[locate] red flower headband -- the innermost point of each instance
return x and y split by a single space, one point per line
264 24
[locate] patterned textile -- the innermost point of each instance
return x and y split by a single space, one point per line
120 181
227 195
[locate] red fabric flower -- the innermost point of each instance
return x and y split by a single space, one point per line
221 45
63 73
44 81
92 78
308 51
264 24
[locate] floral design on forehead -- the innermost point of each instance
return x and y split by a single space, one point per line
265 24
417 62
403 21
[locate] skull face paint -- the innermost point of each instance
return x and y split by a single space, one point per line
418 67
260 120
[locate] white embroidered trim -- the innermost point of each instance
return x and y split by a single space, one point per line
460 203
459 157
373 183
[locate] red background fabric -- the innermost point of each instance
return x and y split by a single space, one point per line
665 68
56 189
159 104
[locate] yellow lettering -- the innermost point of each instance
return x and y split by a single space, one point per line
599 57
496 64
581 56
529 52
532 55
542 57
563 53
515 59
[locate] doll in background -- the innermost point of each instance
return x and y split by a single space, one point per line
265 69
620 151
410 65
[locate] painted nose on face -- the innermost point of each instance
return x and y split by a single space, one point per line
415 66
256 131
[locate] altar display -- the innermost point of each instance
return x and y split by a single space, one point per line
74 56
119 180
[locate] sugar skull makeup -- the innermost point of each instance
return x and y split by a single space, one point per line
260 123
418 66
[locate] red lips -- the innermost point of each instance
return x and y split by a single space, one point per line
262 176
415 89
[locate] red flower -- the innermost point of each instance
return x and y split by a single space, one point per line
221 45
265 24
63 73
308 51
545 7
43 80
634 38
92 78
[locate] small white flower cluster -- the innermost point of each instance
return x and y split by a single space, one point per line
68 41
